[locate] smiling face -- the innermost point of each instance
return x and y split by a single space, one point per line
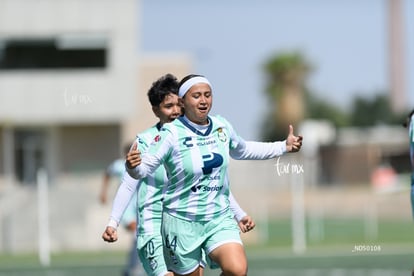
169 109
197 103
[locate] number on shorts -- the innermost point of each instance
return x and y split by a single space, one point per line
150 248
172 244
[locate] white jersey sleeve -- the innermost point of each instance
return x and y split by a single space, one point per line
122 198
250 150
238 212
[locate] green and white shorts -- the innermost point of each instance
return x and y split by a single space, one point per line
150 252
184 240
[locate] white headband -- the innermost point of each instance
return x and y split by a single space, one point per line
190 82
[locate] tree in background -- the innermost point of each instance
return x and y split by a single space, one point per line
317 108
286 74
291 101
372 111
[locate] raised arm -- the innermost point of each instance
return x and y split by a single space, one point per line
249 150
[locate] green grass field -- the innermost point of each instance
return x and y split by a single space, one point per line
391 253
261 262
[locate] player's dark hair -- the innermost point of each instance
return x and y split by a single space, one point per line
162 87
408 119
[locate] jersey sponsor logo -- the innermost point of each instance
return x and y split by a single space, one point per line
200 186
212 189
205 188
205 143
211 161
196 187
157 138
210 178
189 143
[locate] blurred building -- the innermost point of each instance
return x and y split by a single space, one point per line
68 79
358 152
73 91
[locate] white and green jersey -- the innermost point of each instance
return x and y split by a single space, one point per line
196 159
150 189
147 192
150 193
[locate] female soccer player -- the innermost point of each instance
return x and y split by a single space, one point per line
195 150
165 105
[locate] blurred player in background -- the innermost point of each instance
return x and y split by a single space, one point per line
409 123
116 170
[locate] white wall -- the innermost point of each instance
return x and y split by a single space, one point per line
55 96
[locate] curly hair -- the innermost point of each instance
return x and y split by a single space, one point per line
165 85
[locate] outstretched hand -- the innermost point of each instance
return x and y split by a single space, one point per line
246 224
293 143
133 157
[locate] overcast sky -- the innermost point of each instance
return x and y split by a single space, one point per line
345 41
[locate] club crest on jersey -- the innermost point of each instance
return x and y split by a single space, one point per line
221 135
157 138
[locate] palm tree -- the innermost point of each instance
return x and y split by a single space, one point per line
286 74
